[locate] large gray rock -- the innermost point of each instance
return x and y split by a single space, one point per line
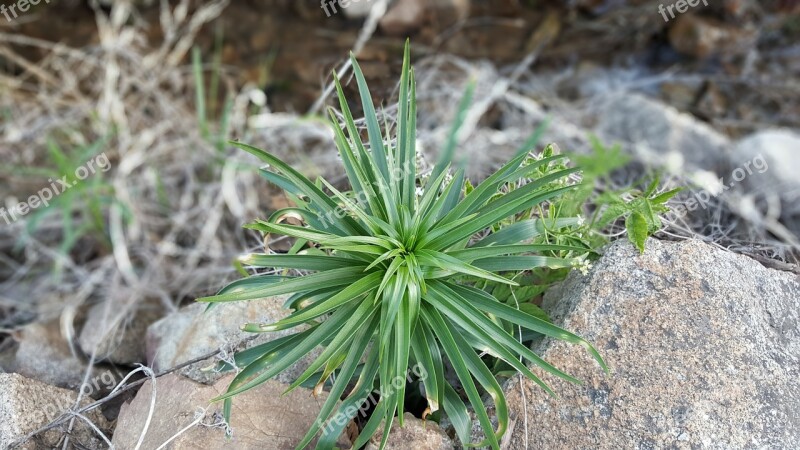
262 418
193 332
27 405
659 134
415 434
777 152
703 346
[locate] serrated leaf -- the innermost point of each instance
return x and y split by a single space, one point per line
636 225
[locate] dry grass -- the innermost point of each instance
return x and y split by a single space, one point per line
181 199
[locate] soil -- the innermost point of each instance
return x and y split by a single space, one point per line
734 63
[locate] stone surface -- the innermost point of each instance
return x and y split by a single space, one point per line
43 354
26 405
702 37
778 150
703 347
262 419
415 434
118 339
193 332
659 134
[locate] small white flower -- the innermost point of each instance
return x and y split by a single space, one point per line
419 191
582 265
581 220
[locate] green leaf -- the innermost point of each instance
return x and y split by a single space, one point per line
321 202
664 197
447 262
465 365
636 224
304 262
491 305
446 155
252 291
348 294
525 230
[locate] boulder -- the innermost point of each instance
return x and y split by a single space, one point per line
703 347
415 434
27 405
115 338
659 134
702 37
42 353
773 156
261 419
193 332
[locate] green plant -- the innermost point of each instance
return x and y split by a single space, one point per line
640 208
82 207
206 102
396 276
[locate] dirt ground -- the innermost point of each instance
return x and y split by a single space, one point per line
734 64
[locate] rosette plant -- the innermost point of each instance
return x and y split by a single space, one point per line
390 276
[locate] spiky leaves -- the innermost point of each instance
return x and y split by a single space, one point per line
393 278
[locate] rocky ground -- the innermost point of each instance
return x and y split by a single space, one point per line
701 332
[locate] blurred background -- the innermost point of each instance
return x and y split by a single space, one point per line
131 103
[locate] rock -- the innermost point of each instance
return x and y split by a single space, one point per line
701 37
194 332
114 338
26 405
261 418
772 156
405 16
657 133
703 347
415 434
43 354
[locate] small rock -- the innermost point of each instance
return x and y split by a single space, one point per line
193 332
723 321
358 9
261 418
701 37
117 339
27 405
415 434
43 354
655 132
772 156
405 16
680 95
